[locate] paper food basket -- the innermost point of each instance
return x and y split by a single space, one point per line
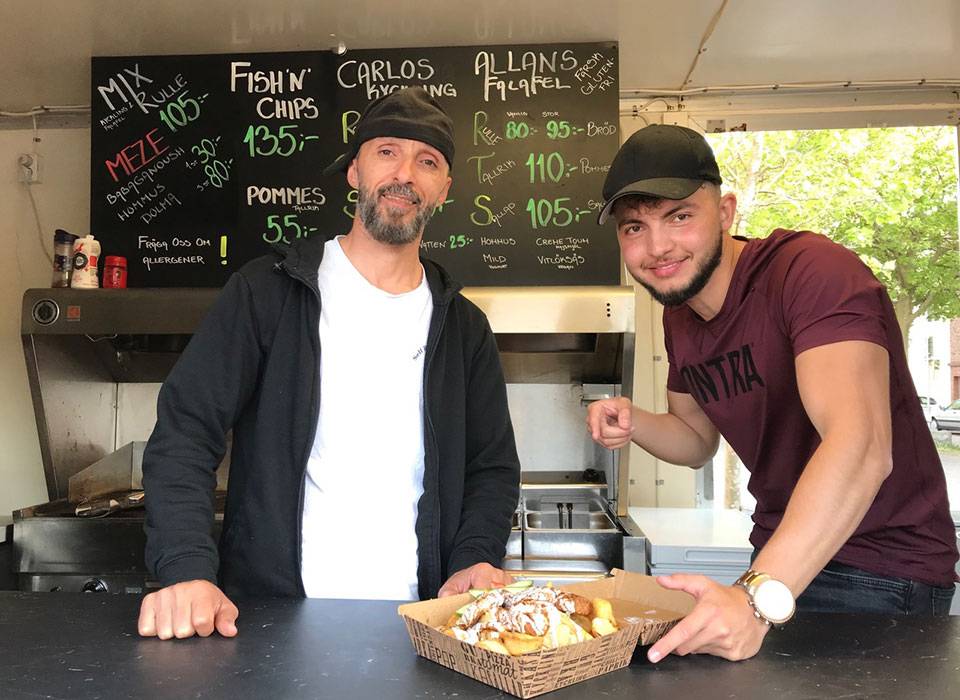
644 609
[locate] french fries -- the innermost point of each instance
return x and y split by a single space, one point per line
525 620
600 626
584 622
493 645
603 622
518 643
602 609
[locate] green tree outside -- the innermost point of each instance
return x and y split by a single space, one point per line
889 195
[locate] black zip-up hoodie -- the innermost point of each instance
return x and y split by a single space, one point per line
253 366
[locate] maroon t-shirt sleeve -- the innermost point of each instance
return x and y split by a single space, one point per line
675 381
828 295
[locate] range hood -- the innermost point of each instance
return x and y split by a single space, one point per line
552 335
544 334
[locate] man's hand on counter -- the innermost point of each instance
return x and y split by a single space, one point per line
722 623
477 576
610 422
185 609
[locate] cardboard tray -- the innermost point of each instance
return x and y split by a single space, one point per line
645 612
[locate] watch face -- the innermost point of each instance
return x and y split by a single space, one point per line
774 600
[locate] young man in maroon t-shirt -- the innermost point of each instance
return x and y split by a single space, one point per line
788 346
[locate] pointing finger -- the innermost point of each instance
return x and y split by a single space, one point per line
682 632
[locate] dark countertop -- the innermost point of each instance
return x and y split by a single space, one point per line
66 645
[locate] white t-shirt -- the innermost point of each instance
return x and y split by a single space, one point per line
365 472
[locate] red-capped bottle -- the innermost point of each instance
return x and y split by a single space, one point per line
115 272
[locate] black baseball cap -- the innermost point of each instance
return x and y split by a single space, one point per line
661 160
409 113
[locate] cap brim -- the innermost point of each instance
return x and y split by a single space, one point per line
665 187
341 164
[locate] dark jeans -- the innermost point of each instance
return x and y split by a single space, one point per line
841 588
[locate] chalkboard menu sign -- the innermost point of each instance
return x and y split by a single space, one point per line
200 163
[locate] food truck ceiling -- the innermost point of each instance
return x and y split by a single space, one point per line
665 46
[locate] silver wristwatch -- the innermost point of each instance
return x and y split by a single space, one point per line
771 600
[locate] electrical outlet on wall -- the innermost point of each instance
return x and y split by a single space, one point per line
28 168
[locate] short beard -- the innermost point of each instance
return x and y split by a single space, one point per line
382 227
699 281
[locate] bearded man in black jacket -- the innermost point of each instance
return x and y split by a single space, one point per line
348 369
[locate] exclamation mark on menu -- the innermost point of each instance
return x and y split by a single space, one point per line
223 250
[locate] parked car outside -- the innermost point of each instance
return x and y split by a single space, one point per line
946 417
929 405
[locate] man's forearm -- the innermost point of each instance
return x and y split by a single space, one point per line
669 438
830 500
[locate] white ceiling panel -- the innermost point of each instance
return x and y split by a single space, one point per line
782 41
47 44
